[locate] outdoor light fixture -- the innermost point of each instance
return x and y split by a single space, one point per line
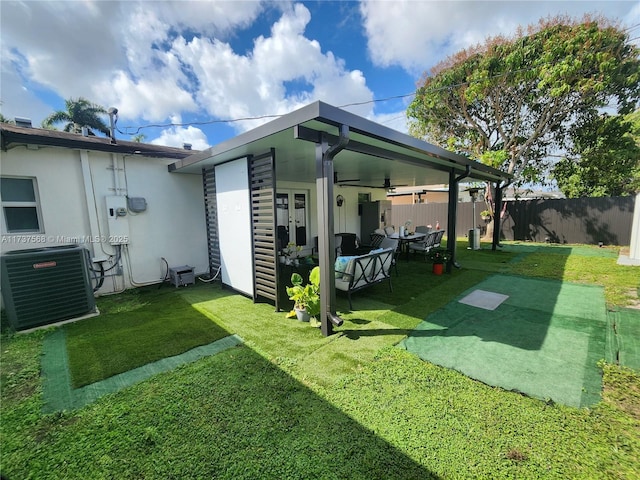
473 193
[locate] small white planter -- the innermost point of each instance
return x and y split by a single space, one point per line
302 315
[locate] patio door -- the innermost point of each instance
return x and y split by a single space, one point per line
292 216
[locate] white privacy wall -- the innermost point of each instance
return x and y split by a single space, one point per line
73 207
234 225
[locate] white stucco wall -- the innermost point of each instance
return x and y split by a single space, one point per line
634 247
173 226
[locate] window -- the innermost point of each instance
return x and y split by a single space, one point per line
20 205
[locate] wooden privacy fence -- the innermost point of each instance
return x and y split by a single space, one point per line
572 220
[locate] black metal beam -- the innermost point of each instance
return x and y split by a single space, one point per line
452 214
326 234
497 224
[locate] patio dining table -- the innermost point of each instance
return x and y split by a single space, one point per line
406 239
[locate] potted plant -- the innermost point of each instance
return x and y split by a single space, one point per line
290 253
485 215
306 298
439 256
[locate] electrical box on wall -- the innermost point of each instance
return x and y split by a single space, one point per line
137 204
117 219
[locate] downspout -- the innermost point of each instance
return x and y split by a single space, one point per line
453 214
116 174
326 239
89 198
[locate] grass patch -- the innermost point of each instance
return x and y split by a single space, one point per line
482 432
619 281
293 404
136 328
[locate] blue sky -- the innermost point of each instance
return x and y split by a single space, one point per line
164 62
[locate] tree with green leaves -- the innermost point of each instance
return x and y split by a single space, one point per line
604 159
511 102
79 113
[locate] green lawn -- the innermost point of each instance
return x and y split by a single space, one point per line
135 328
293 404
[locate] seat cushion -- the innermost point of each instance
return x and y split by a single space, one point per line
341 265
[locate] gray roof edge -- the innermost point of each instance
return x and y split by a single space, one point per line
370 128
15 135
288 120
330 114
364 126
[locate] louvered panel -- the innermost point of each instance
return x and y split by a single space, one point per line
261 173
265 218
264 197
263 226
264 260
262 169
269 294
264 266
266 276
211 216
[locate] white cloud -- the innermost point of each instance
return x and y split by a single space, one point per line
418 34
283 71
153 60
17 98
153 98
66 44
178 136
395 120
111 52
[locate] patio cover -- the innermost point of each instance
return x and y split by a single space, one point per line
317 140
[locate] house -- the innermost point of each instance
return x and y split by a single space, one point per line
306 172
117 199
402 195
140 209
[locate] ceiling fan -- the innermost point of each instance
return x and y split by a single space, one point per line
387 185
337 182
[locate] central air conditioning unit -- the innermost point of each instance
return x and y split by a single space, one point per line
46 285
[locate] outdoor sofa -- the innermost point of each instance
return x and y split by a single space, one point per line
357 272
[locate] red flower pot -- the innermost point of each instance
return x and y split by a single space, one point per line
438 268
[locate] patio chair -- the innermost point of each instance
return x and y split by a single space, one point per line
423 229
338 245
425 245
438 239
376 239
349 245
393 244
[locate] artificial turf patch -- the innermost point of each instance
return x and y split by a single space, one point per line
545 340
627 336
151 326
